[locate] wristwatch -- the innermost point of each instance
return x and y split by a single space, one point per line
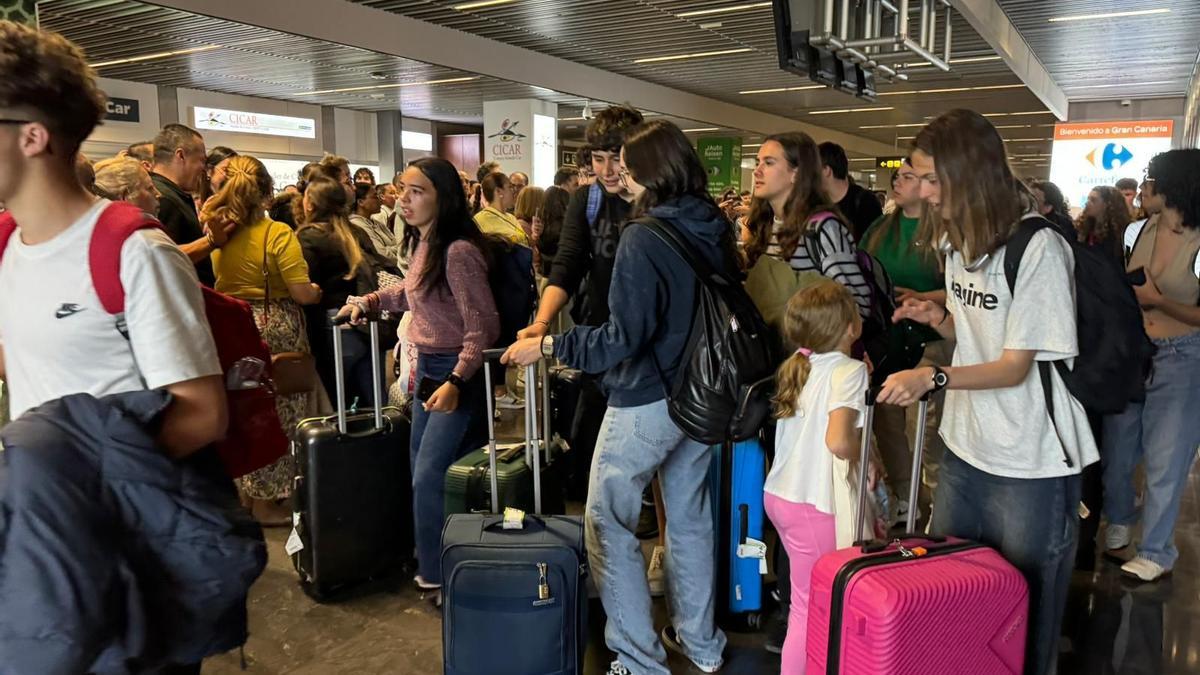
548 346
940 380
456 380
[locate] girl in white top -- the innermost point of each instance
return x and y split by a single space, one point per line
821 396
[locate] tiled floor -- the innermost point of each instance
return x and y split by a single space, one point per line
1113 627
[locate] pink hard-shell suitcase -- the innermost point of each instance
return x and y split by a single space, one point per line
917 606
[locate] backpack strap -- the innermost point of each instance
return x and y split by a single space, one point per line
116 224
595 198
812 237
8 225
1133 234
1014 250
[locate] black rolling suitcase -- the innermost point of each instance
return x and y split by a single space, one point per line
352 497
515 600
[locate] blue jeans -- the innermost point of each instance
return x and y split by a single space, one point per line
1164 431
634 444
439 440
1033 523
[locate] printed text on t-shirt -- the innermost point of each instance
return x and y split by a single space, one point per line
971 297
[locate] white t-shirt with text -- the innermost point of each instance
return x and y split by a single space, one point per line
1008 432
58 340
805 470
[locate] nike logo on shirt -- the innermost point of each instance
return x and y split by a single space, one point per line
67 309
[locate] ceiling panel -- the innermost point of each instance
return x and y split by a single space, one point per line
1110 58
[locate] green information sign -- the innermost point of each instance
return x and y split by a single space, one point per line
722 160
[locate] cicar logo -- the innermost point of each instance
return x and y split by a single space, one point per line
1111 156
508 132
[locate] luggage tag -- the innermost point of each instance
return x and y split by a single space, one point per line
754 549
293 545
514 519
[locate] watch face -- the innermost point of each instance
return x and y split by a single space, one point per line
940 379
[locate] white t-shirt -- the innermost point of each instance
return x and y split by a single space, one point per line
1008 432
58 340
805 471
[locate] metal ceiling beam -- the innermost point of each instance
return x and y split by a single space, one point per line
375 30
989 20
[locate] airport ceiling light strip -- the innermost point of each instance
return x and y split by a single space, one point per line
394 85
482 4
695 55
850 110
1109 15
724 10
158 55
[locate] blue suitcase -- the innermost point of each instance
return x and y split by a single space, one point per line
515 601
736 479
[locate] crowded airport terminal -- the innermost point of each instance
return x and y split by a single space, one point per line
599 337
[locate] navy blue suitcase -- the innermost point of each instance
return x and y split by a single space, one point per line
514 601
736 479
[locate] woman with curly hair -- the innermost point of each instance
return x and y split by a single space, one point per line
1104 220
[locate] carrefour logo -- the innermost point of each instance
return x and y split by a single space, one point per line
1111 156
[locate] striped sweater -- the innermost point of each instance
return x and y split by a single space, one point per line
838 257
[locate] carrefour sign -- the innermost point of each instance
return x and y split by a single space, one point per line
1090 154
240 122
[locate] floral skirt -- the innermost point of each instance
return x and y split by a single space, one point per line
284 332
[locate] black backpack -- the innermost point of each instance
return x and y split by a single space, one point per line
1114 352
722 390
877 326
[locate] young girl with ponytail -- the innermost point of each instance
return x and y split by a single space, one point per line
810 493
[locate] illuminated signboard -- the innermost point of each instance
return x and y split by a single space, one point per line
1090 154
238 122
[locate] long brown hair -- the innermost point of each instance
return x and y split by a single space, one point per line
243 197
816 319
662 160
329 204
807 198
1109 229
985 200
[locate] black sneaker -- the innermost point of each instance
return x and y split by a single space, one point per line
671 641
776 632
647 527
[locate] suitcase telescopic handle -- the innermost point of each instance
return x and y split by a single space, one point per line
338 325
865 457
534 439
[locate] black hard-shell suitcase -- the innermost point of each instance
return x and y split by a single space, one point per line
515 600
352 496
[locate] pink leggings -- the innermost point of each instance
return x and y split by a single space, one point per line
807 534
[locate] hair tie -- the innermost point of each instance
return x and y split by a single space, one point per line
805 352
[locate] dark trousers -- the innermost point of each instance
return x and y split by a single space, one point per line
585 430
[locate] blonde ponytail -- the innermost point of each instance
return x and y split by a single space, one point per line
816 321
243 197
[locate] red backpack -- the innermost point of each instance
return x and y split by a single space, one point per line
255 438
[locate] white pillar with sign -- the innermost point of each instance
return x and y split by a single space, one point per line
522 135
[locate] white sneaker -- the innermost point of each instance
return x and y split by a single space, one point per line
901 516
509 402
654 573
615 668
1117 537
1144 569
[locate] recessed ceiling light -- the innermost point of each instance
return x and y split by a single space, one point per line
1112 86
480 4
397 85
1013 126
724 10
571 119
776 90
862 159
700 130
695 55
751 145
905 138
849 110
712 25
1027 112
892 126
1109 15
157 55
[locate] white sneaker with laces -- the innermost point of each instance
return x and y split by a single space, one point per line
615 668
1117 537
509 402
1144 569
654 573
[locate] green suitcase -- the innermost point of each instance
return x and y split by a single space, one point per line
468 483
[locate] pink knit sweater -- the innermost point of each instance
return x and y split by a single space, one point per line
460 319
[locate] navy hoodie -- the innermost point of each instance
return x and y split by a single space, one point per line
652 301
